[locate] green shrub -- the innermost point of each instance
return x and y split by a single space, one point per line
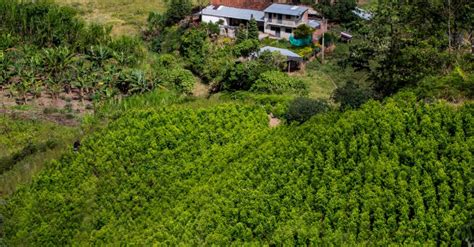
303 31
351 96
329 39
7 41
245 48
181 79
127 51
458 84
302 109
279 83
272 60
177 10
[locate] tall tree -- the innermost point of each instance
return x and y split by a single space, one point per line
177 10
241 34
253 29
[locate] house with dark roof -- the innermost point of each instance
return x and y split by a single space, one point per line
282 19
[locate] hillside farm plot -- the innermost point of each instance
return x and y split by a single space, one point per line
392 173
126 16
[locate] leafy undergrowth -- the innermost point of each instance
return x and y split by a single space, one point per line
398 172
26 145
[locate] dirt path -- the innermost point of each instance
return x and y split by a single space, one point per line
273 121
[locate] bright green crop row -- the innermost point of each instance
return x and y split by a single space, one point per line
393 173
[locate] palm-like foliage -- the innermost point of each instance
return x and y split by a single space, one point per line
54 88
83 83
57 60
138 82
62 52
99 54
23 86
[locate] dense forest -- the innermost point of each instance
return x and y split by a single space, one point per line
178 135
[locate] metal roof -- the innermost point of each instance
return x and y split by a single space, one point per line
314 24
363 14
289 54
346 35
235 13
286 9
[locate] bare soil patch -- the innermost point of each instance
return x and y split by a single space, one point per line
65 110
273 121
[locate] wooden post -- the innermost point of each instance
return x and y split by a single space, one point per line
449 25
324 32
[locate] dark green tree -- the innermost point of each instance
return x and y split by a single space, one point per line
177 10
241 34
302 109
253 29
351 96
303 31
194 47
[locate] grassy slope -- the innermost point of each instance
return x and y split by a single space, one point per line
16 135
126 16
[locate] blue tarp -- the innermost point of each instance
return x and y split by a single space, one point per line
300 42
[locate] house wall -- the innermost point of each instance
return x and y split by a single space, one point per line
270 29
288 23
306 16
319 32
214 19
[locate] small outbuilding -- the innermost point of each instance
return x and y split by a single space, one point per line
294 60
346 37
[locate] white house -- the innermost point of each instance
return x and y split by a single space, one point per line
278 20
231 17
282 19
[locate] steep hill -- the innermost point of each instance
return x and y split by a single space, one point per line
399 172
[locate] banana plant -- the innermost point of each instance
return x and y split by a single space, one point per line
83 84
23 86
37 88
3 69
55 88
57 60
139 82
99 54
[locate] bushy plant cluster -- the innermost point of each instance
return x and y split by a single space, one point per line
45 48
398 173
277 82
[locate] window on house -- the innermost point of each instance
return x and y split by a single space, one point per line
288 17
288 30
